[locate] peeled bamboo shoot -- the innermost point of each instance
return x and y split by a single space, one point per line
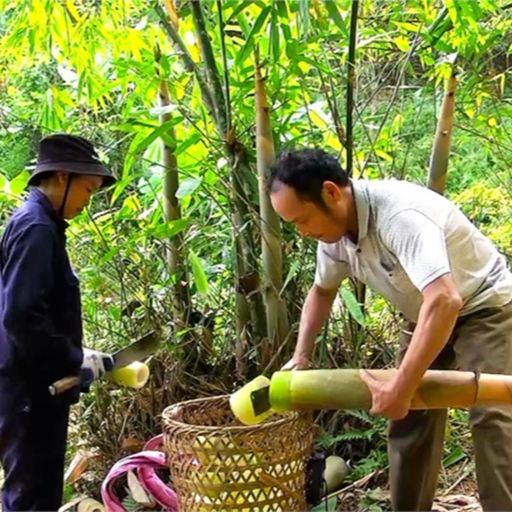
336 470
134 375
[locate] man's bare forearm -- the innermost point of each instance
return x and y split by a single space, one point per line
436 321
315 312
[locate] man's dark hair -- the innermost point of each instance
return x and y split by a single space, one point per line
305 171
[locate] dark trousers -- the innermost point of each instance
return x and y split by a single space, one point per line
33 437
481 341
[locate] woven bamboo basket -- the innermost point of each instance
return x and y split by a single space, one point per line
218 464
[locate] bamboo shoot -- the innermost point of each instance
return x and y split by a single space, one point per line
442 142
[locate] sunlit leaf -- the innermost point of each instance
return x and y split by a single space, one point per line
200 278
332 9
353 307
169 229
18 184
250 41
402 43
188 186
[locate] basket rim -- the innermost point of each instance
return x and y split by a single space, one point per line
234 428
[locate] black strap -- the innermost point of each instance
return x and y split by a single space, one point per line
65 198
477 386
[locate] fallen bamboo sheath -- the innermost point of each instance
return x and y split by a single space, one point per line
90 505
344 389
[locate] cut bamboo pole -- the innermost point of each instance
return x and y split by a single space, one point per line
344 389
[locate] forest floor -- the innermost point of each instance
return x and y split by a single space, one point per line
457 492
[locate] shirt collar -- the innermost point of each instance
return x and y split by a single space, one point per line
38 197
362 203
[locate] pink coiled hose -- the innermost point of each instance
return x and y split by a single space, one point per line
145 463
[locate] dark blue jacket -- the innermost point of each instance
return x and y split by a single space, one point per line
40 312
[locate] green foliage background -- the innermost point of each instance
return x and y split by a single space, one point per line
89 67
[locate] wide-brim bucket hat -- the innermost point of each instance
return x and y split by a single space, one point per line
70 153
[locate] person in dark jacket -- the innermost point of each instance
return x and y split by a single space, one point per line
41 324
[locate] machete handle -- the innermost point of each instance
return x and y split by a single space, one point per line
64 384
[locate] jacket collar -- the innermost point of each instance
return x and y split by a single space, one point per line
38 197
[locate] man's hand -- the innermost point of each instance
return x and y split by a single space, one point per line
387 400
94 365
297 363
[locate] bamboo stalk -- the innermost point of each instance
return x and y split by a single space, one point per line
442 142
225 65
333 108
246 261
171 11
172 211
188 62
250 318
344 389
212 72
275 308
351 85
359 288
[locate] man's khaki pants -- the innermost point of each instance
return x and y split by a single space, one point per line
482 342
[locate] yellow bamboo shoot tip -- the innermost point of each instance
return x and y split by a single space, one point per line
241 404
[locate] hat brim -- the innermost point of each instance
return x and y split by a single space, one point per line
82 168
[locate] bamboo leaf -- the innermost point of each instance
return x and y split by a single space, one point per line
329 505
402 43
238 7
244 24
188 186
332 9
354 308
249 44
385 156
169 229
157 132
282 9
119 189
275 36
199 274
304 17
18 184
292 272
193 139
73 10
453 457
